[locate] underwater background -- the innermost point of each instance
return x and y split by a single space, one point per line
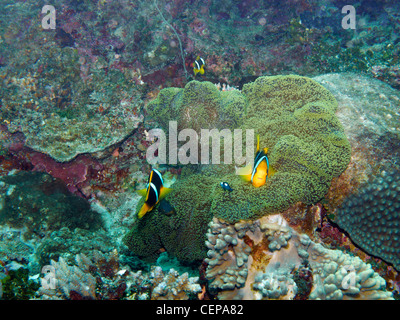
312 86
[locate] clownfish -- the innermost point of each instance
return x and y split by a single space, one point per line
261 169
198 66
154 192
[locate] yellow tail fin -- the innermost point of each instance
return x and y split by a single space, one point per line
143 210
163 192
142 192
271 171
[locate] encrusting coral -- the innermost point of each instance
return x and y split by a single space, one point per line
39 202
371 217
295 118
258 260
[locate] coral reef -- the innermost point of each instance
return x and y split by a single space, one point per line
295 119
39 202
371 217
73 174
199 105
368 110
72 106
102 277
66 243
100 120
178 224
15 283
261 259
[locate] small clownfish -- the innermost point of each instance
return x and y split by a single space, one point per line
198 66
226 186
261 169
154 192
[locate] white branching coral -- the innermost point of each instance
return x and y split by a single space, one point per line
258 260
69 279
103 278
172 286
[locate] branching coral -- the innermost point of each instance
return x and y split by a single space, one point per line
245 262
71 281
172 286
102 277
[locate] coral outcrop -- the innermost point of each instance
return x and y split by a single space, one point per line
372 217
178 224
38 202
261 259
62 113
368 111
295 118
364 197
102 277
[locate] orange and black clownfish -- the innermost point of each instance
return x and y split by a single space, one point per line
198 66
154 192
261 169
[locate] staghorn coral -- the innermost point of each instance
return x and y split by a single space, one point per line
372 217
242 264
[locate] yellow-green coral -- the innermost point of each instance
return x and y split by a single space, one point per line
295 118
182 233
200 105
